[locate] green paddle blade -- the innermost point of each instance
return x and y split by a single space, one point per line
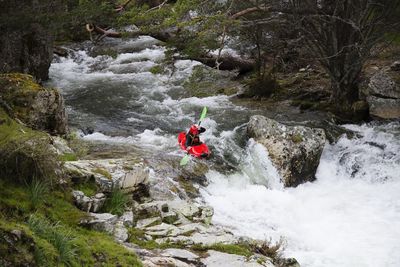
184 160
203 114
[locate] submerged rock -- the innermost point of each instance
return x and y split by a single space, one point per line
294 150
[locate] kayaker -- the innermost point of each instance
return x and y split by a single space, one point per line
192 137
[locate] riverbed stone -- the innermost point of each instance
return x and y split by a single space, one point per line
383 85
295 151
384 108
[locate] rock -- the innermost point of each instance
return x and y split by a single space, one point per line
27 49
384 108
395 66
98 202
110 174
87 204
186 209
148 222
169 217
61 146
294 150
151 209
101 222
120 232
127 218
219 259
38 107
383 85
17 234
180 254
164 261
82 202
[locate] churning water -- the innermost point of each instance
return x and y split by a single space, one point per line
350 216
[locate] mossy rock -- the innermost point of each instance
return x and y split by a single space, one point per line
38 107
205 82
25 153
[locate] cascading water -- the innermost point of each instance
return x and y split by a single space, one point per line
350 216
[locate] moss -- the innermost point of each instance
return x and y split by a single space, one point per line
237 249
103 172
24 153
89 188
91 248
137 236
68 157
157 69
297 138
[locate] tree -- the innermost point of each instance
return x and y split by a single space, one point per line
341 34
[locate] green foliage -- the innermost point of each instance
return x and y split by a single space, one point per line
37 189
116 202
237 249
103 172
68 157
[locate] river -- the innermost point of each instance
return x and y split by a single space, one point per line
350 216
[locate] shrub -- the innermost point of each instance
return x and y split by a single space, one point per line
263 86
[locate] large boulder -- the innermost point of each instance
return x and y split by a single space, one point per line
294 150
38 107
125 174
384 95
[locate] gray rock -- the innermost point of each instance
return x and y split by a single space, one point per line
294 150
384 108
180 254
112 174
98 202
169 217
127 218
148 222
164 261
82 202
61 145
120 232
17 234
219 259
395 66
101 222
382 85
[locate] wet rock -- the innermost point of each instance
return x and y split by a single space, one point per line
218 259
383 95
294 150
395 66
384 108
383 85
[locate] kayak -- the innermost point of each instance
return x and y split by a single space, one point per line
198 151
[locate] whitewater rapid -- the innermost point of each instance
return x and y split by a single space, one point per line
350 216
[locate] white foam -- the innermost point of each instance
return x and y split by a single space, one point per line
339 220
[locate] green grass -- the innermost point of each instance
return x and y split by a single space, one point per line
68 157
103 172
37 190
56 235
237 249
89 188
116 202
51 236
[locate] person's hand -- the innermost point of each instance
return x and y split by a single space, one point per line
188 148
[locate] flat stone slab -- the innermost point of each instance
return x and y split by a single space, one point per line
180 254
219 259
